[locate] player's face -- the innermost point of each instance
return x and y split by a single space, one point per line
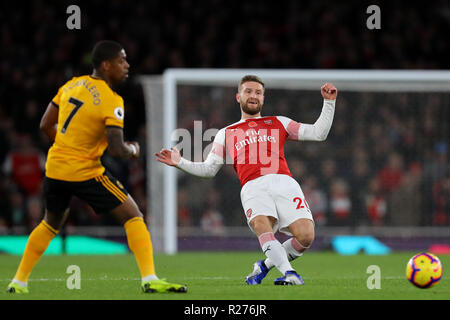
251 97
118 68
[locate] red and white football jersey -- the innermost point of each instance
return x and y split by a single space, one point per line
255 146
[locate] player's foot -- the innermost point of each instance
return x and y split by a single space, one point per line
160 285
16 288
289 278
260 271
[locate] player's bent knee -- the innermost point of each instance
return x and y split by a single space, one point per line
261 224
126 211
303 231
305 240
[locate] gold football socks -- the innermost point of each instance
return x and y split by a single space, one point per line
140 244
38 242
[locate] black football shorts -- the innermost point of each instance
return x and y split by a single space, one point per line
102 193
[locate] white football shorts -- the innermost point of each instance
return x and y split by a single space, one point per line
278 196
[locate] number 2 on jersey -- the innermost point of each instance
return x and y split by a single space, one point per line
300 202
78 104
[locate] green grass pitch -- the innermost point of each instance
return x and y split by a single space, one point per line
220 276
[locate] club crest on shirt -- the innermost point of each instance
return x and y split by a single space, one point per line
118 113
268 122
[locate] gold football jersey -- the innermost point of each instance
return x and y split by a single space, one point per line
86 106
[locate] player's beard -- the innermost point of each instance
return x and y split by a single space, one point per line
253 111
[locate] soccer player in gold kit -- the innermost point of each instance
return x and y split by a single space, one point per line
84 118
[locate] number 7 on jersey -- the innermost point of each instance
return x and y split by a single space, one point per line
78 104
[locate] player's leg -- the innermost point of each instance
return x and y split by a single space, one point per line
295 218
107 195
138 236
57 200
271 247
275 253
140 244
303 236
56 220
262 217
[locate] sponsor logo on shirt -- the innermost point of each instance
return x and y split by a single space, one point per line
253 136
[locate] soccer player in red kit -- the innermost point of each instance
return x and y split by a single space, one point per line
272 200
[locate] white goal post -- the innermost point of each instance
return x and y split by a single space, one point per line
160 94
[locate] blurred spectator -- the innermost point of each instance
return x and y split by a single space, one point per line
340 203
390 176
212 221
25 165
328 173
5 127
441 197
376 203
5 211
27 121
298 168
184 215
435 168
35 212
358 190
405 202
18 209
316 199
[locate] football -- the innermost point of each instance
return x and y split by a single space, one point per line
424 270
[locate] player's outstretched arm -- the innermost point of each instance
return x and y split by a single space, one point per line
206 169
320 129
117 147
49 121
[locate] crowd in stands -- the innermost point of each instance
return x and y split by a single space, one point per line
386 164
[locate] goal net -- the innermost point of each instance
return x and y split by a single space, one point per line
383 169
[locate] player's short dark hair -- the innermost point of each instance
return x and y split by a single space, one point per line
105 50
250 78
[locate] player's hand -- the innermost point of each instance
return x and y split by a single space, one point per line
329 91
136 146
170 157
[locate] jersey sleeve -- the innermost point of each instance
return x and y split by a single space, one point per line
57 99
320 129
214 161
292 127
113 111
311 132
218 147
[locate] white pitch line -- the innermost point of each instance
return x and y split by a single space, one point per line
190 278
123 279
